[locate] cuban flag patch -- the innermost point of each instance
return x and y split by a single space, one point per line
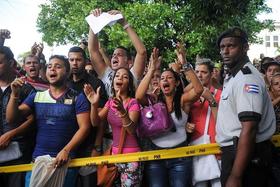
251 88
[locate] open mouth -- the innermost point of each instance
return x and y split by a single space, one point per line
114 62
225 59
53 76
155 84
119 84
32 70
74 70
166 86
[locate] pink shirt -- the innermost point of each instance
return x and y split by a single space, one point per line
115 121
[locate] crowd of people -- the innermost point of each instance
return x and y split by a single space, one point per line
75 107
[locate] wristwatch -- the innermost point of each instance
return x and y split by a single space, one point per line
213 103
98 148
187 66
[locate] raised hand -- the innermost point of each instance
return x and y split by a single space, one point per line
118 104
115 12
92 96
5 34
40 48
34 49
175 66
181 53
96 12
154 61
16 85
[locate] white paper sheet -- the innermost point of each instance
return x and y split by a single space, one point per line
98 23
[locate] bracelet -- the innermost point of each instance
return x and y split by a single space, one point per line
16 99
123 115
98 148
126 26
128 124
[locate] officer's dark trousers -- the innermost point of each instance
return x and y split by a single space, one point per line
258 172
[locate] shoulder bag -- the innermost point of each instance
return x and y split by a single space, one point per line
107 173
154 120
205 167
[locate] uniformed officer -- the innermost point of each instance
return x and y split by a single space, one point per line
245 121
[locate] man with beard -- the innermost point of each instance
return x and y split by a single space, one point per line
92 146
61 113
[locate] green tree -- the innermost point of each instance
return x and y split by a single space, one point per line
159 23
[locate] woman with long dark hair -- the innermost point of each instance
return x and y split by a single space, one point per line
122 112
171 172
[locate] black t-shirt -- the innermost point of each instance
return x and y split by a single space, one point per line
88 143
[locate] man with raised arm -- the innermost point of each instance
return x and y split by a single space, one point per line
32 64
120 57
61 113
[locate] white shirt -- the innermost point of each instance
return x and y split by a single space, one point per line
172 139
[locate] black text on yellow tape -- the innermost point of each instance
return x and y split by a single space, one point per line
130 157
139 156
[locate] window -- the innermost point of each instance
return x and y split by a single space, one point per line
267 41
275 41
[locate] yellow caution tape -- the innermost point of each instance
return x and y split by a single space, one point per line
276 140
187 151
129 157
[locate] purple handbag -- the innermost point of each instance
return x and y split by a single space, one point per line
154 120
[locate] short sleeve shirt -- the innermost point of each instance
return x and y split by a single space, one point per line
244 98
56 119
86 146
115 121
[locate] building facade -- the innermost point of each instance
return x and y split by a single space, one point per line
269 46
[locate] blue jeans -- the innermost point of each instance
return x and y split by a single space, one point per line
171 172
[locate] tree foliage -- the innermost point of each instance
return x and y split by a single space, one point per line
159 23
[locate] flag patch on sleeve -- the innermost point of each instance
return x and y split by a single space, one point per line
251 88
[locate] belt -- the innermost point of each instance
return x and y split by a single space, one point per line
232 147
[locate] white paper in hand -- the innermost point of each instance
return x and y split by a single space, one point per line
97 23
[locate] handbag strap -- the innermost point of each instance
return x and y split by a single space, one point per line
207 121
123 135
208 116
149 100
122 139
